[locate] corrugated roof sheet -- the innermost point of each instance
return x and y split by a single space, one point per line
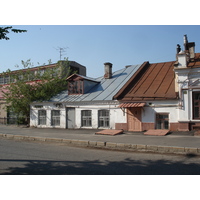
155 81
131 105
104 90
196 62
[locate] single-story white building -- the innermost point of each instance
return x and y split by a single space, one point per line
87 102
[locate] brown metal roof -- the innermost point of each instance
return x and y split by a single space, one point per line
196 62
131 105
153 82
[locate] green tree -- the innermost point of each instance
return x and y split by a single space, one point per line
27 86
5 30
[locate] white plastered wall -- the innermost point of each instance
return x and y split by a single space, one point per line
116 115
170 107
48 108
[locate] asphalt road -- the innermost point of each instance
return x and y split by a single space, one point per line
34 158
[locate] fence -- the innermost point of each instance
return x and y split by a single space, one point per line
13 120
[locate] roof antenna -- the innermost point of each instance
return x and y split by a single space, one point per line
62 51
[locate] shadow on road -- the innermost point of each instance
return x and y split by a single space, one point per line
96 167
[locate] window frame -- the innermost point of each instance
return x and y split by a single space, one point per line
104 120
195 106
162 120
86 120
55 119
42 117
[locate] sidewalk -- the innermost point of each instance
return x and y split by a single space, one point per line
177 143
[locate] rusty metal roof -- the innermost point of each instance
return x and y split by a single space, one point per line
131 105
153 82
196 62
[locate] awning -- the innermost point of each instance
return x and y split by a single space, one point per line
131 105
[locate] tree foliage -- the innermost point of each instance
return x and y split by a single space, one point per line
28 85
5 30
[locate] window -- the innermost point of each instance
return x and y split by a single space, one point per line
31 75
196 105
42 117
55 117
162 121
104 119
1 80
6 79
75 87
86 118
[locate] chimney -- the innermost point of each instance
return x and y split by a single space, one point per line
108 70
185 41
182 58
191 46
178 49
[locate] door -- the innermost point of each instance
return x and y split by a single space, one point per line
70 118
134 119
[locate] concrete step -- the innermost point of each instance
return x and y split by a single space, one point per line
109 132
157 132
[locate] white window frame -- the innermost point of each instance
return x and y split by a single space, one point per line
104 118
55 117
86 118
42 117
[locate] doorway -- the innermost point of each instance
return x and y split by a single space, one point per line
134 119
70 118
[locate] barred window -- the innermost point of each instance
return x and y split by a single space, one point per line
86 118
42 115
55 117
104 118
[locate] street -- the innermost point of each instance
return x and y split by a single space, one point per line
35 158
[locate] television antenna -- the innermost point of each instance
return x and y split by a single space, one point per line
62 51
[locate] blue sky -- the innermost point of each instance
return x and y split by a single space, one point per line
92 45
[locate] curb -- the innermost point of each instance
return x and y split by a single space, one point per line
109 145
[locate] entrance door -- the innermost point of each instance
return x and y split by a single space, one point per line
70 118
134 119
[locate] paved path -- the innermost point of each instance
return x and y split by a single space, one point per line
173 143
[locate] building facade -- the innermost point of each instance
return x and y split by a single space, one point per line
164 95
5 80
137 98
87 102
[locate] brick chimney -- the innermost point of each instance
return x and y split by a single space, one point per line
108 70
